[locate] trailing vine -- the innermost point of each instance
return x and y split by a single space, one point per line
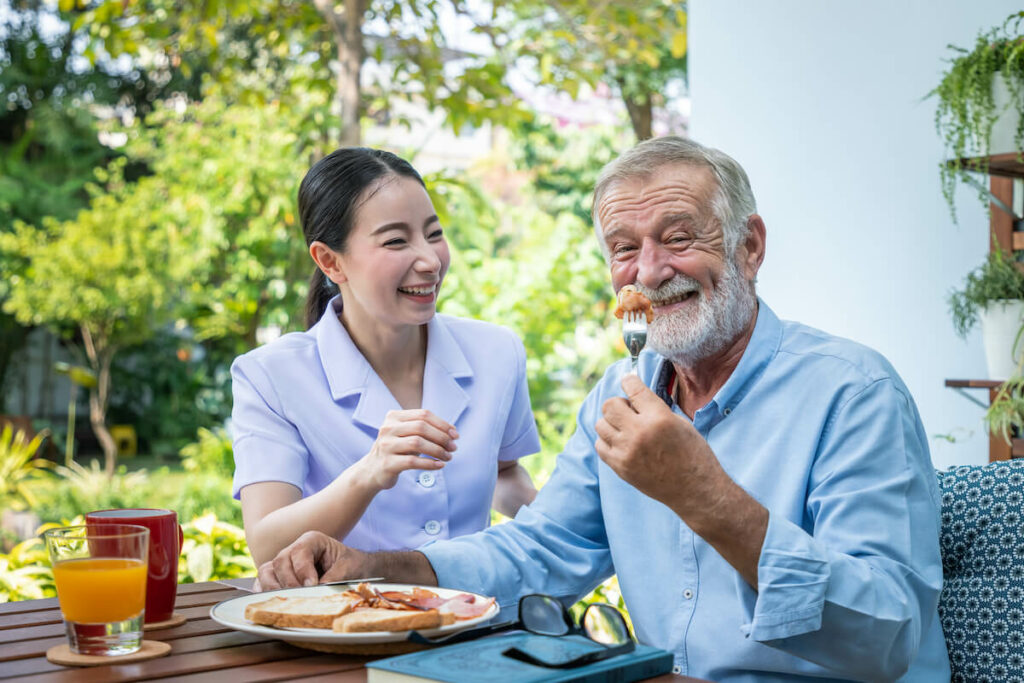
967 110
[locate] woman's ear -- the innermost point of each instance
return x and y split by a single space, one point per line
329 261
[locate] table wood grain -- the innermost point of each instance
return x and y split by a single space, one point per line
202 651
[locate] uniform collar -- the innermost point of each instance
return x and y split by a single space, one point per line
348 372
761 349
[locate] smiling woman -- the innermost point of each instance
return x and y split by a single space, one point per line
384 424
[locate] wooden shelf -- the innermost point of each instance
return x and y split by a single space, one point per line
1005 232
1007 165
974 383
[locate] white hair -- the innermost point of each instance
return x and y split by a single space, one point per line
732 202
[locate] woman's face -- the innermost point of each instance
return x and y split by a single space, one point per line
395 257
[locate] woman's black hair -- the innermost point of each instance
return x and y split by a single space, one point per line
329 197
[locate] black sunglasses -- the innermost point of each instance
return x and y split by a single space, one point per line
546 616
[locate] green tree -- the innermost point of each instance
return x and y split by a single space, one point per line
48 126
208 242
229 175
364 53
314 45
112 273
636 48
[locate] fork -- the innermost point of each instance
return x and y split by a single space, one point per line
634 334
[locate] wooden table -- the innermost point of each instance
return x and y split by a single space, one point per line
201 649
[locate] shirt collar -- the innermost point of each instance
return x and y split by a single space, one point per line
349 373
761 349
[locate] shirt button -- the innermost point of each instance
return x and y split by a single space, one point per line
678 670
433 527
426 479
727 411
687 593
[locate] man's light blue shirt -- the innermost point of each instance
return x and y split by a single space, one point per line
823 433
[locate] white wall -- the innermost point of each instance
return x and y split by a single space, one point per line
821 101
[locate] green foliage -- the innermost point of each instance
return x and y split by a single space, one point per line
170 386
234 212
213 550
19 466
211 454
48 127
260 50
998 278
608 592
25 572
194 495
1005 415
636 49
82 489
966 110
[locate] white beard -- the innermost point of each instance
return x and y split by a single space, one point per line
690 334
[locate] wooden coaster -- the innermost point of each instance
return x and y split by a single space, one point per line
151 649
175 620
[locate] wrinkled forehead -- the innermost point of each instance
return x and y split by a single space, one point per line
673 188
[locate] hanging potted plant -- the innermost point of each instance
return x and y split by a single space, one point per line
981 103
993 294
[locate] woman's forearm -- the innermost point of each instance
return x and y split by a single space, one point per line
513 490
335 510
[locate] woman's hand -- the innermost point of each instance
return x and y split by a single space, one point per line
408 440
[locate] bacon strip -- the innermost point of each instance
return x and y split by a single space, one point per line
463 605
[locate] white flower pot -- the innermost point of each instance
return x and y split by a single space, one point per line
1007 117
1000 323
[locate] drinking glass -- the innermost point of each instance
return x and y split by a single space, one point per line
100 574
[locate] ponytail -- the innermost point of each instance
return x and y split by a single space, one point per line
320 292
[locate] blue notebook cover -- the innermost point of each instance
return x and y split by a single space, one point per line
481 661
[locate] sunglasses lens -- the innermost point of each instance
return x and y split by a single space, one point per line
605 624
542 614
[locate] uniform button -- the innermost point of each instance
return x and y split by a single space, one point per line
726 412
677 670
687 593
427 479
433 527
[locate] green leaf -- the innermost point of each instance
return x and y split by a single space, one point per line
678 44
200 562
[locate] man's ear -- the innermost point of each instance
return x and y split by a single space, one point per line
329 261
753 247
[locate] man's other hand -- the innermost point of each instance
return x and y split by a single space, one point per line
312 558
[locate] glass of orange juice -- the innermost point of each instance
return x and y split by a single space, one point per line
100 572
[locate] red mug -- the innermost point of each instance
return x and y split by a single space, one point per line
165 539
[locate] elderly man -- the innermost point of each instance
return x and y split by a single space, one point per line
763 490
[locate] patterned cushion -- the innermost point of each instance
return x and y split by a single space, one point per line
982 601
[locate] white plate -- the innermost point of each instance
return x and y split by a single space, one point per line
231 613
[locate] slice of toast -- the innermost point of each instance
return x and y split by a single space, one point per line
314 612
378 619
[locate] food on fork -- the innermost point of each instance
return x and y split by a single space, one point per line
632 300
367 609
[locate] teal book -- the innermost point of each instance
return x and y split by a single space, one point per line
482 661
